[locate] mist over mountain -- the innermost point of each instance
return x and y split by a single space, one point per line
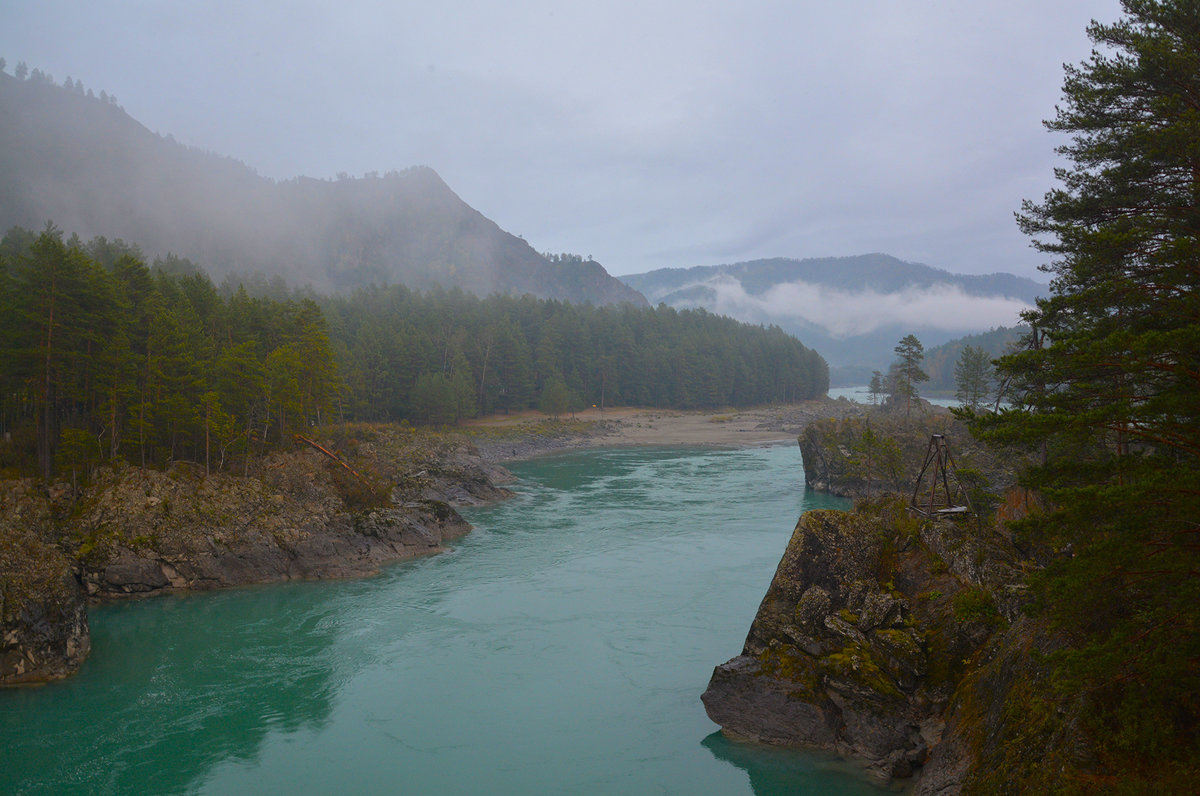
851 309
87 166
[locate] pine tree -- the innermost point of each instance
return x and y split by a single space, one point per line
876 388
1107 396
972 377
556 397
50 293
908 370
316 377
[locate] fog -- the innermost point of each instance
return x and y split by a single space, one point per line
646 134
845 314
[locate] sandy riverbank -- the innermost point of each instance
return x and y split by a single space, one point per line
508 437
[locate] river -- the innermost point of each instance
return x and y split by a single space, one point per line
862 395
560 648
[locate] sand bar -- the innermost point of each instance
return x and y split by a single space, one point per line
520 436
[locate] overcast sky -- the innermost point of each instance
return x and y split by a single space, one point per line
645 133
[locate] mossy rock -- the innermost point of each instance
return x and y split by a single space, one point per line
786 662
857 663
903 651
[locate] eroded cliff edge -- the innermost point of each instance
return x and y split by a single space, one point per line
862 642
300 514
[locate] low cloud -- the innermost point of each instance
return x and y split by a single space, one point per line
846 314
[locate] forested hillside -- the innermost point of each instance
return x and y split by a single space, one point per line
84 163
444 355
105 358
940 360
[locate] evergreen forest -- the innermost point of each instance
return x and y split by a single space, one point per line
105 358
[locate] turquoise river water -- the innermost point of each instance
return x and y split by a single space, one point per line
560 648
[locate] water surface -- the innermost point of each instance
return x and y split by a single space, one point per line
862 394
561 647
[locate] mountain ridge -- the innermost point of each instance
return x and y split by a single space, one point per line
853 308
877 270
87 166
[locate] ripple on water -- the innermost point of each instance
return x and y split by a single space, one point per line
560 648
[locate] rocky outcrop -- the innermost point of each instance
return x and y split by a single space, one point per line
386 494
878 452
863 636
152 532
43 611
45 637
303 516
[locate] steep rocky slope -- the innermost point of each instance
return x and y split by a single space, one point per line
864 636
904 643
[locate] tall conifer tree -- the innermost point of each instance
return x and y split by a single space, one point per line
1108 391
908 370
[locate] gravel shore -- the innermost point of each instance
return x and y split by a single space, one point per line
506 438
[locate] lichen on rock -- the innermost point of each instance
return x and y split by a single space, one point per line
849 652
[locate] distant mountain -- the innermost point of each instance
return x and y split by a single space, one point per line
852 310
89 167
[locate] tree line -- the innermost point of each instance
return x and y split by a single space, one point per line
36 75
439 356
105 358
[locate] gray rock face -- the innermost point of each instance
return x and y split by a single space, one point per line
138 532
343 546
828 655
46 637
43 612
855 648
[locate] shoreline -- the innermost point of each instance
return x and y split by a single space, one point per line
292 519
502 438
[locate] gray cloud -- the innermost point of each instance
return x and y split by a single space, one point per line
647 134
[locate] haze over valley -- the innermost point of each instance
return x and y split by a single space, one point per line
851 309
81 162
84 164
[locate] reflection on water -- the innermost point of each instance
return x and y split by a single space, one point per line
786 772
561 647
173 685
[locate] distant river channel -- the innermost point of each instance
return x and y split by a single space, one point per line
560 648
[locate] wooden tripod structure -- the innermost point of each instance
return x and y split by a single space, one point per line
934 497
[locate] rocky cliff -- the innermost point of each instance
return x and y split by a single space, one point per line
300 514
43 614
864 636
